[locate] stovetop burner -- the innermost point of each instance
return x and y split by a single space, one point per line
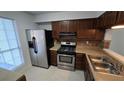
66 50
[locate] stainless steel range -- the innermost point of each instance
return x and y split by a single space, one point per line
66 53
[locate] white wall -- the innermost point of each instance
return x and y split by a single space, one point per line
117 43
23 21
46 26
55 16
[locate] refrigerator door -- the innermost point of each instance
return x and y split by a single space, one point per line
41 48
38 51
33 55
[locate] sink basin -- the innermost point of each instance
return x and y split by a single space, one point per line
102 64
106 68
99 59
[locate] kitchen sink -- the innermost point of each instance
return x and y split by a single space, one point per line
105 67
99 59
103 64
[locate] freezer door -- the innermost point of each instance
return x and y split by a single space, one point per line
33 55
41 48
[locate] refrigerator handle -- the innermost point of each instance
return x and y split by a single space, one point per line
34 44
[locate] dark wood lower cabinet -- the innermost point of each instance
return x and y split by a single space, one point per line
79 61
82 64
53 57
87 72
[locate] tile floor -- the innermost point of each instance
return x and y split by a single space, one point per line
53 74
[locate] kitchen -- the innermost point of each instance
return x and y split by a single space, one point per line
83 42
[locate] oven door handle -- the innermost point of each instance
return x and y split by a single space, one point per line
65 55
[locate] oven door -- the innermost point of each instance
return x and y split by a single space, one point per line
67 60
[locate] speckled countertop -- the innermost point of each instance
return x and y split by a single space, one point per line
55 47
101 76
90 50
95 51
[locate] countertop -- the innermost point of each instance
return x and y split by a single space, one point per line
55 47
95 51
90 50
100 76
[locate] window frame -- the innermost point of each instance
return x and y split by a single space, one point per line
18 45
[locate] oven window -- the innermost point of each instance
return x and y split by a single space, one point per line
65 59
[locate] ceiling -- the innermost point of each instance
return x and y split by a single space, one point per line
44 12
40 12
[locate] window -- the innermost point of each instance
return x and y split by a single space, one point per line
10 54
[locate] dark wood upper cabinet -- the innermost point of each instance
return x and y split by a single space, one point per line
120 18
86 34
110 18
56 27
68 26
91 34
100 22
86 24
107 20
63 26
73 26
86 29
99 34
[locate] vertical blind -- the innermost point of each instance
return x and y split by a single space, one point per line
10 54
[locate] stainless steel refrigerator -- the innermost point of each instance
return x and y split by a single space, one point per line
37 47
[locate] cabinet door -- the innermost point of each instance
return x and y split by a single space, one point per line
53 57
100 22
87 72
120 18
80 64
107 20
110 18
56 29
86 29
99 34
88 34
86 24
64 26
73 26
68 26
